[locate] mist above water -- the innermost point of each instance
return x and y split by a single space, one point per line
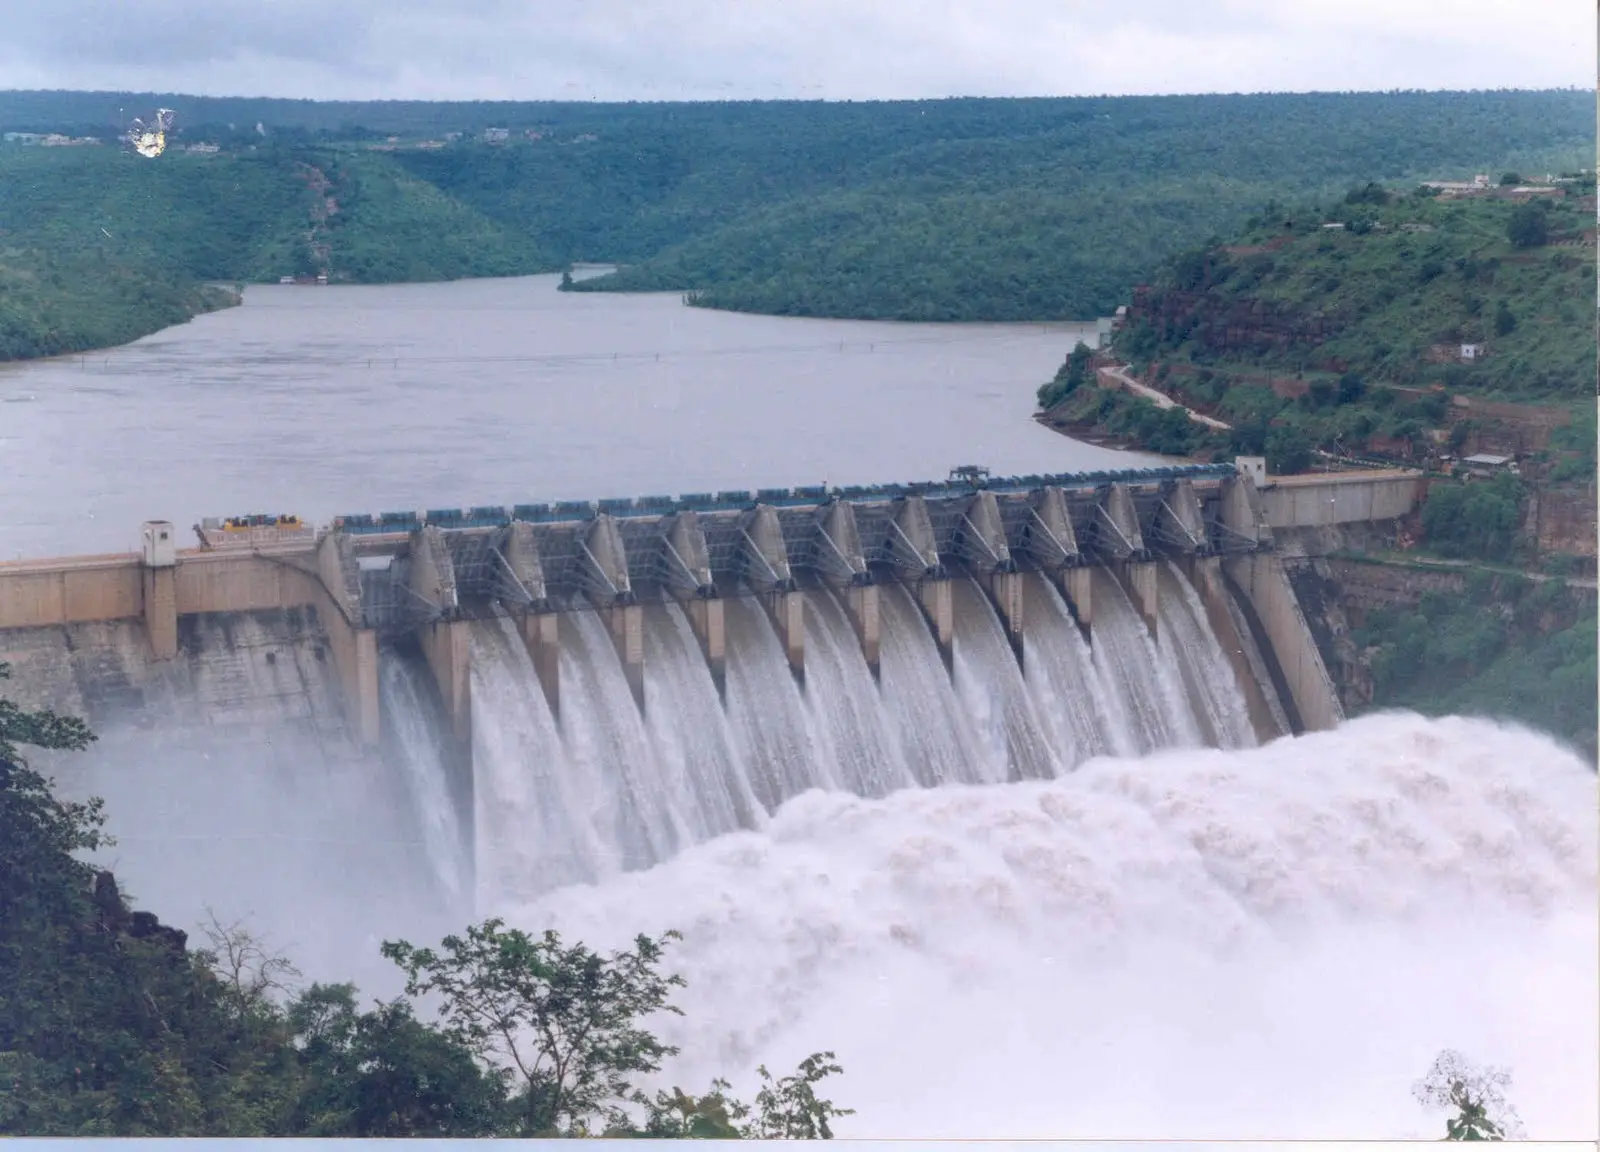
1003 921
1266 943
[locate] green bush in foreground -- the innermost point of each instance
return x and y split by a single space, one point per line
111 1026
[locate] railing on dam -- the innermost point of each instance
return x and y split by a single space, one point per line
569 511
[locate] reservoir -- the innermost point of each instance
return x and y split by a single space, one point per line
323 401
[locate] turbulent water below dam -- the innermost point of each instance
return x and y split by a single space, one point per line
1063 896
607 790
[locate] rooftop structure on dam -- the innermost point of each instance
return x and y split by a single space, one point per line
421 577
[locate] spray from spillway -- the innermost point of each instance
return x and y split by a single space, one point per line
934 730
1186 643
694 748
416 745
990 684
772 727
1083 716
845 708
1131 667
607 744
538 822
1263 943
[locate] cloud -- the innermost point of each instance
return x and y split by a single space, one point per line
839 49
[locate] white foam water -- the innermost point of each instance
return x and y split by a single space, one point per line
1264 943
402 694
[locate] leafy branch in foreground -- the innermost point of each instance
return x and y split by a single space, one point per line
1477 1094
564 1025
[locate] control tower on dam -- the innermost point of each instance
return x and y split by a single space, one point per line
421 579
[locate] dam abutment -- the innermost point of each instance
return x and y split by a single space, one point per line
1264 586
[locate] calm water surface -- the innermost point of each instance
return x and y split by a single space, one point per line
322 401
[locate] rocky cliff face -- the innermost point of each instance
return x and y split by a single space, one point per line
1562 520
1234 325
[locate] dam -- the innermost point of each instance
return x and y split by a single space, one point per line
542 694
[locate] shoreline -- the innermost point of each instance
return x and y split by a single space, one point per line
235 294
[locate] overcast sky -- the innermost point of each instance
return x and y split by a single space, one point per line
834 49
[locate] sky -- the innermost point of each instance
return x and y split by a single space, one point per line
788 49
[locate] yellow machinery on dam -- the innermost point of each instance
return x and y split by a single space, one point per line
369 579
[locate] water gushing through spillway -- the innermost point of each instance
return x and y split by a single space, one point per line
1084 716
696 762
1187 644
772 727
403 694
613 787
935 731
539 824
990 684
942 862
846 711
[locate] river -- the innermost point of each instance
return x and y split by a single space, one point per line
322 401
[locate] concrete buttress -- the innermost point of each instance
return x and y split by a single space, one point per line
355 647
445 639
1179 521
1078 584
707 616
787 611
160 588
839 556
937 600
861 605
765 567
980 538
1249 668
841 562
1048 538
1005 591
519 582
1141 586
689 578
626 624
604 561
541 632
1117 525
1242 519
911 540
764 557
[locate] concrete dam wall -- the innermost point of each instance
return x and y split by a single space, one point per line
364 581
541 694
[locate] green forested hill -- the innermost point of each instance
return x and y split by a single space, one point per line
1405 281
947 209
99 246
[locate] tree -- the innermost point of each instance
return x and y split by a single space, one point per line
1477 519
1505 322
789 1108
1351 387
1288 450
564 1019
1074 371
1477 1094
41 729
1321 394
1528 226
383 1073
564 1024
1510 179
